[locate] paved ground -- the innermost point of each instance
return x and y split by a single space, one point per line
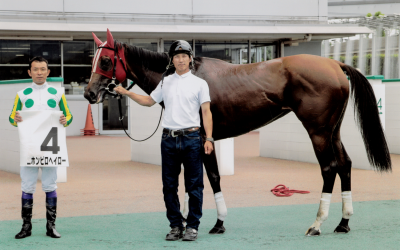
111 202
268 227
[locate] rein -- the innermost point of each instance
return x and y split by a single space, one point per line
110 91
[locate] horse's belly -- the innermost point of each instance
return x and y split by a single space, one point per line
242 121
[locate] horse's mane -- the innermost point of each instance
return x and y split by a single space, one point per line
149 60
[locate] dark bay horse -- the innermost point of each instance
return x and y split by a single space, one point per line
247 97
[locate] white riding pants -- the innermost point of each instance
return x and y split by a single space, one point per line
29 176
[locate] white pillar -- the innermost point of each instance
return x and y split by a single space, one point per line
225 156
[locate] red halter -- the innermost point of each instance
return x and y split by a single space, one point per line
110 49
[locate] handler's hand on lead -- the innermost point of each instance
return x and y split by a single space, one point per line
17 117
63 120
121 90
208 147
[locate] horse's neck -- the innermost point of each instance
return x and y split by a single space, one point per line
144 71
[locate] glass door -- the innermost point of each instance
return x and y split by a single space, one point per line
109 113
109 116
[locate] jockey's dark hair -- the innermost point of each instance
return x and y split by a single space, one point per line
38 59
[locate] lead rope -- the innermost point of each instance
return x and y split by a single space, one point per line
122 124
119 97
121 117
283 191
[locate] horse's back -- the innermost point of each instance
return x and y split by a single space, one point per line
245 96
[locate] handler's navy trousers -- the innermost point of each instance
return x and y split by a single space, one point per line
184 149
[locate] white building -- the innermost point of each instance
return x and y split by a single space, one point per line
60 30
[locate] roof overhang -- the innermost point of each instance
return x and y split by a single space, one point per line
267 33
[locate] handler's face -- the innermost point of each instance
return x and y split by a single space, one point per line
39 72
181 63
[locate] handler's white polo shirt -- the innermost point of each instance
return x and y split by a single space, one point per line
182 96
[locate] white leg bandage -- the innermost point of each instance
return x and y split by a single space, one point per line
221 207
186 206
323 210
347 205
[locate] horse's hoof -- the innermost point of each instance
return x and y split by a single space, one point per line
313 232
342 229
217 230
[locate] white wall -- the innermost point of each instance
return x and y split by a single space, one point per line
393 116
287 139
9 137
260 7
143 122
28 5
299 8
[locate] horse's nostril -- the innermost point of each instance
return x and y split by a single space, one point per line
92 95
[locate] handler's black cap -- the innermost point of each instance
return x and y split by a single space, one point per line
180 46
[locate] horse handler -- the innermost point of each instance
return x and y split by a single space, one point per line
183 95
39 96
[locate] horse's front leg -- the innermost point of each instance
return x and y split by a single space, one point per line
211 165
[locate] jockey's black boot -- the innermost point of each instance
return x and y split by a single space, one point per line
26 214
51 214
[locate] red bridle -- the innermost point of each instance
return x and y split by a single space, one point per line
110 49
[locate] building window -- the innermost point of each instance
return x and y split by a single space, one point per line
15 55
262 52
231 51
71 60
77 65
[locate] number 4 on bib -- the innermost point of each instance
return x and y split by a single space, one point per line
53 134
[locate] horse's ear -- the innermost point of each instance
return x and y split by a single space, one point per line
97 40
110 39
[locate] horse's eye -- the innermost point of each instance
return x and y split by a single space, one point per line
105 63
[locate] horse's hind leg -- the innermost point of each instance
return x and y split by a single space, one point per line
345 176
326 158
333 160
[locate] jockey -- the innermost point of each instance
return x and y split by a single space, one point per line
39 96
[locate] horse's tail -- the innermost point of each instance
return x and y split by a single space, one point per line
367 119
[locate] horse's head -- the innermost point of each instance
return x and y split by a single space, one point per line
108 69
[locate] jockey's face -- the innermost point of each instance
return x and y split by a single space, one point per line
39 72
181 62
